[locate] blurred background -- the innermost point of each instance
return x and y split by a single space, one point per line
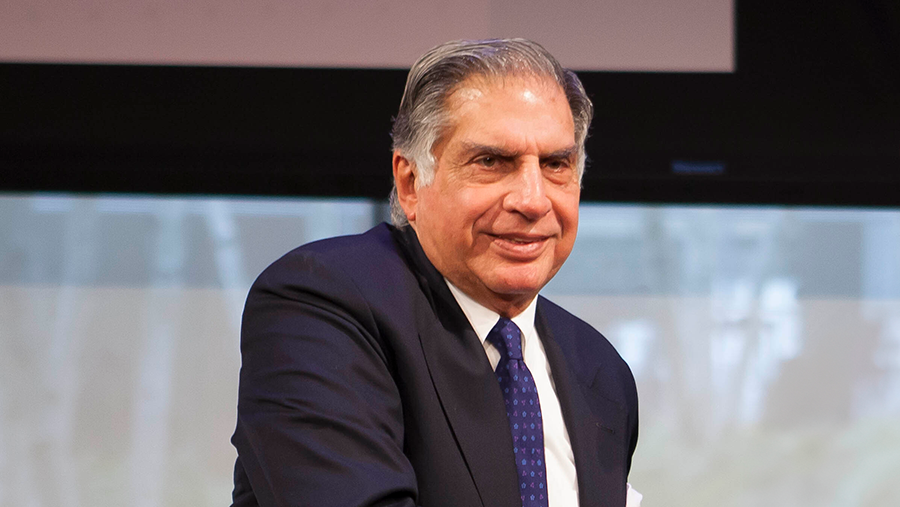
739 239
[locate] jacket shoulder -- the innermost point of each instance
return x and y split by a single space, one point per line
365 277
359 252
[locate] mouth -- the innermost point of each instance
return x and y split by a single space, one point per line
520 241
520 246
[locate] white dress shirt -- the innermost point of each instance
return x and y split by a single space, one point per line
562 483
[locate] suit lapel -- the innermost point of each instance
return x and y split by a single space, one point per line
465 385
584 427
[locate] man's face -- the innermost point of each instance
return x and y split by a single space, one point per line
501 215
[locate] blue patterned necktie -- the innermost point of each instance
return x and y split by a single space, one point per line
524 412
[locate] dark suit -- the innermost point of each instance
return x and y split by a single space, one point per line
363 384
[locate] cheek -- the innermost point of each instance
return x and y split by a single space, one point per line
432 204
451 216
480 206
567 214
562 251
566 207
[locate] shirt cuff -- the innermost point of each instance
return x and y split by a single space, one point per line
632 497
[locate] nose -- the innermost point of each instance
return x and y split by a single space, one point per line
527 193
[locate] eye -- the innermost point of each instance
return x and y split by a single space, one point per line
487 161
556 164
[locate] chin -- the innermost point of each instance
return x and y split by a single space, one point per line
519 284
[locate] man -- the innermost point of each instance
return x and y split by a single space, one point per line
392 368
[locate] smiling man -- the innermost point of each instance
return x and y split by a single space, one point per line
416 364
500 216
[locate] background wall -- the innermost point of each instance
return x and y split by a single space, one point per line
680 35
765 343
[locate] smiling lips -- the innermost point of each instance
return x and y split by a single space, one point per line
521 246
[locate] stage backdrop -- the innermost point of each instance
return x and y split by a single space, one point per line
678 35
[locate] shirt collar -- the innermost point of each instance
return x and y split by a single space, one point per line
483 319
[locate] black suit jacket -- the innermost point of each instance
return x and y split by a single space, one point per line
363 383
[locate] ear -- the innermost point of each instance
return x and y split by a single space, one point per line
405 181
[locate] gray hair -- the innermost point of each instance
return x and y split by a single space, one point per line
423 115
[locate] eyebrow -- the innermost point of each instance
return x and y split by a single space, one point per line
470 147
565 153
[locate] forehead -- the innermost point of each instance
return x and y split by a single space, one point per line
503 106
480 85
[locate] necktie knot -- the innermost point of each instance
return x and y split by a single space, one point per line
507 337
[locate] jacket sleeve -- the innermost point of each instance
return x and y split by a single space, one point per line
320 417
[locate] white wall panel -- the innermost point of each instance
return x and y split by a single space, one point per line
678 35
